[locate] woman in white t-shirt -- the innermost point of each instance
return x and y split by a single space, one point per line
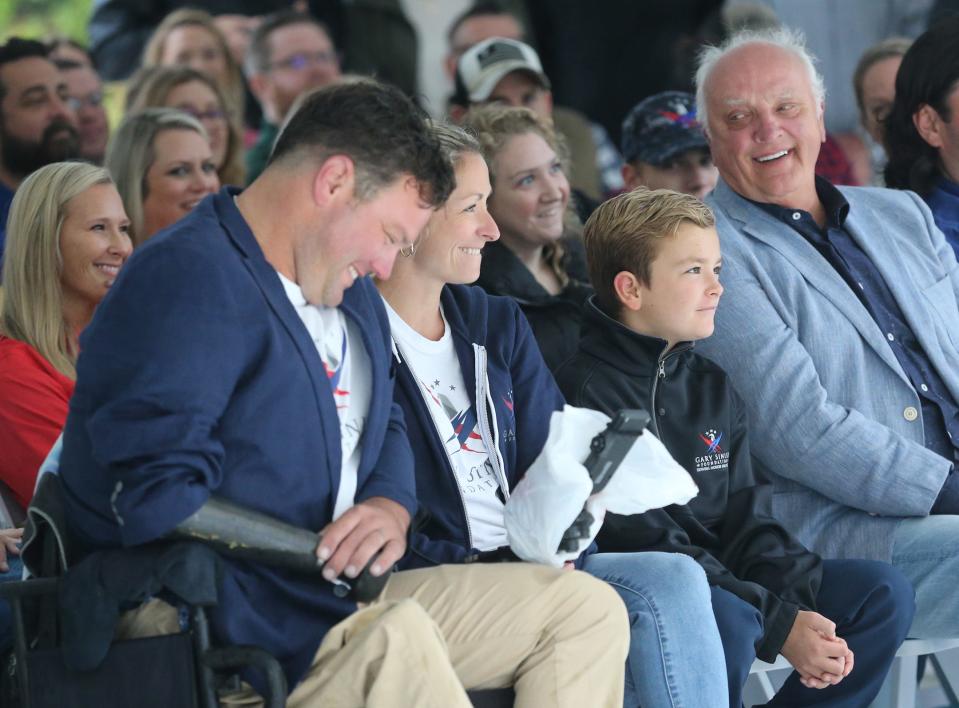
477 399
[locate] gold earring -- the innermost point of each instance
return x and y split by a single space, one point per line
408 251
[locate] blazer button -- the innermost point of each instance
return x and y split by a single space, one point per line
910 413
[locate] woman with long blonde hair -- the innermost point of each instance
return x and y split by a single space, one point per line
190 37
67 238
195 93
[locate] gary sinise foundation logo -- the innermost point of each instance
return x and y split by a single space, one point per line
715 458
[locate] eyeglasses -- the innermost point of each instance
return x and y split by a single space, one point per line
302 60
212 114
93 100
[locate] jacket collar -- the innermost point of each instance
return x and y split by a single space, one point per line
630 352
502 272
357 304
762 226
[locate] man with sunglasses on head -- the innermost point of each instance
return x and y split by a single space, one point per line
290 53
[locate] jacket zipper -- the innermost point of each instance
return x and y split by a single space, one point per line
660 375
489 433
449 460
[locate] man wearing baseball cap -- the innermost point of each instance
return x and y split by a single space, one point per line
500 70
664 146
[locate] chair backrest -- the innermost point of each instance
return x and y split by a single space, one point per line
45 550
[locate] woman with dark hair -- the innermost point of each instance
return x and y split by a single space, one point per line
539 259
922 131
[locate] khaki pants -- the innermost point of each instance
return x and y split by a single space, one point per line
559 637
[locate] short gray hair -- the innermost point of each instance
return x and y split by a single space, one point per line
790 40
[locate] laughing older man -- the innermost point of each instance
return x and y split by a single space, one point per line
839 327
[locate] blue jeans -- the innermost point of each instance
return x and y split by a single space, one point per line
872 606
675 654
6 620
926 550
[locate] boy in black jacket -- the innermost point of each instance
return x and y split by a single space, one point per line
654 262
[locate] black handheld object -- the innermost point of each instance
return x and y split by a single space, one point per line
250 535
606 452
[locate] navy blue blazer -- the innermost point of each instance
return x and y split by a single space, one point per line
198 377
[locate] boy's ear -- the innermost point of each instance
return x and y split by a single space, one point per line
628 290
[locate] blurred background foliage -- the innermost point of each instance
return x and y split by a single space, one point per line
39 19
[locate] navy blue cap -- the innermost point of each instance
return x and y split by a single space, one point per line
662 127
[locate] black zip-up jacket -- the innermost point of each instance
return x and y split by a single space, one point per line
729 527
554 319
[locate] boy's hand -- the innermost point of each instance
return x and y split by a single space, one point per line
377 525
812 647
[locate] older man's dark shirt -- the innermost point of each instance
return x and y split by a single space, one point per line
940 413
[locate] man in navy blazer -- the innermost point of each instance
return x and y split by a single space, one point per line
245 354
839 328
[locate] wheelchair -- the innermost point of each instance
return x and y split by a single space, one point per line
183 669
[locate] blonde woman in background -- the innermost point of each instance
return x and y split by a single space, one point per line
190 37
163 166
194 92
67 239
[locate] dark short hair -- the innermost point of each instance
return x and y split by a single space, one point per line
258 53
375 125
16 49
928 74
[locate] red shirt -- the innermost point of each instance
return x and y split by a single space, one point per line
34 399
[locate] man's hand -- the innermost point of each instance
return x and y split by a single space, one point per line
9 543
377 525
812 647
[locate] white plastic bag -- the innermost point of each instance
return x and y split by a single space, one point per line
557 486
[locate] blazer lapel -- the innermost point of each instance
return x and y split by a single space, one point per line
269 283
813 267
882 249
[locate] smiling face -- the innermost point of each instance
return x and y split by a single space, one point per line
94 244
196 47
199 100
679 302
530 193
358 238
182 173
450 249
765 125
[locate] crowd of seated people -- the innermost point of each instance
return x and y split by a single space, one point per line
246 273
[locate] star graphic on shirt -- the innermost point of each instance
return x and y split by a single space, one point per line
436 382
452 387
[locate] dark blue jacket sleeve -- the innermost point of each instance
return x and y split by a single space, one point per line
153 430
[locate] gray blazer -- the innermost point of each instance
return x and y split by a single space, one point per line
835 423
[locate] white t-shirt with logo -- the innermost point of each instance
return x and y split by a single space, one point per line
440 378
347 365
